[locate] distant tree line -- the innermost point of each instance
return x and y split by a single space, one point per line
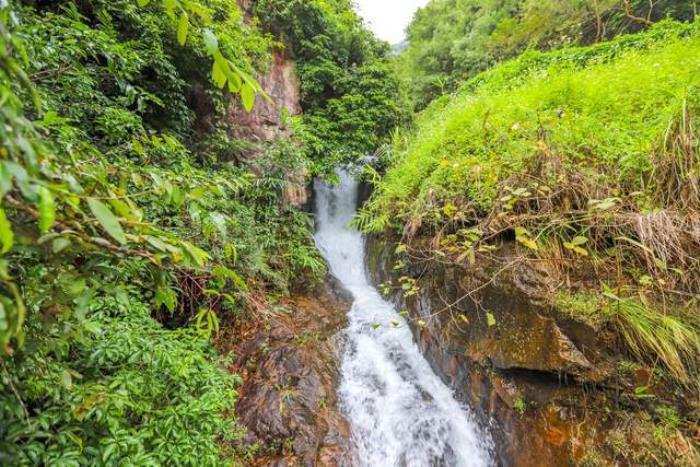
452 40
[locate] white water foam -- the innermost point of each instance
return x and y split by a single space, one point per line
401 413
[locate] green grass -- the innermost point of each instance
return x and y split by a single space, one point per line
590 157
657 337
667 338
600 114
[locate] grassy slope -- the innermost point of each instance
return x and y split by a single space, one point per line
597 116
589 157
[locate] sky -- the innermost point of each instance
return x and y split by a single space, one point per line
389 18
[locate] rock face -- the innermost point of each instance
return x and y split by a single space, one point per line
287 401
504 353
264 123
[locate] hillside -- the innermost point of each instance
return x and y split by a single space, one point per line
450 41
568 179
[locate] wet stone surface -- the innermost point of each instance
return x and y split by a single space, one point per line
287 401
500 348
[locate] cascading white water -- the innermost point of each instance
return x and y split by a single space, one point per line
400 411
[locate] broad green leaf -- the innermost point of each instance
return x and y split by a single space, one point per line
107 219
578 241
5 179
248 96
125 210
234 82
522 232
166 296
210 41
195 254
142 3
183 26
529 243
576 249
158 244
47 210
7 237
217 74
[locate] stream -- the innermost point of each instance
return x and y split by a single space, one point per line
401 413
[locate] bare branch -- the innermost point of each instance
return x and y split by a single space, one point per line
639 19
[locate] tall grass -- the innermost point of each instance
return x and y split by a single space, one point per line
656 337
602 144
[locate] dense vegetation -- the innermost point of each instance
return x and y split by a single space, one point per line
350 96
586 160
130 230
588 156
128 233
453 40
551 140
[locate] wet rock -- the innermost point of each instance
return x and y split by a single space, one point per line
288 400
506 353
503 325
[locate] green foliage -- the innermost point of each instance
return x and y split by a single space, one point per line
587 157
450 41
594 112
115 212
113 387
350 95
655 336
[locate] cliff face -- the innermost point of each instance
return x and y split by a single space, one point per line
550 386
502 353
264 122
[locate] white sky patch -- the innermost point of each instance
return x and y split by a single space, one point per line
389 18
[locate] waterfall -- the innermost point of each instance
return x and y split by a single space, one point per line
401 413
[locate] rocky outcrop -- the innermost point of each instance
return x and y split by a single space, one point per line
287 402
504 351
264 122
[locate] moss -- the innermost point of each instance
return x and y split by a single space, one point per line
585 307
